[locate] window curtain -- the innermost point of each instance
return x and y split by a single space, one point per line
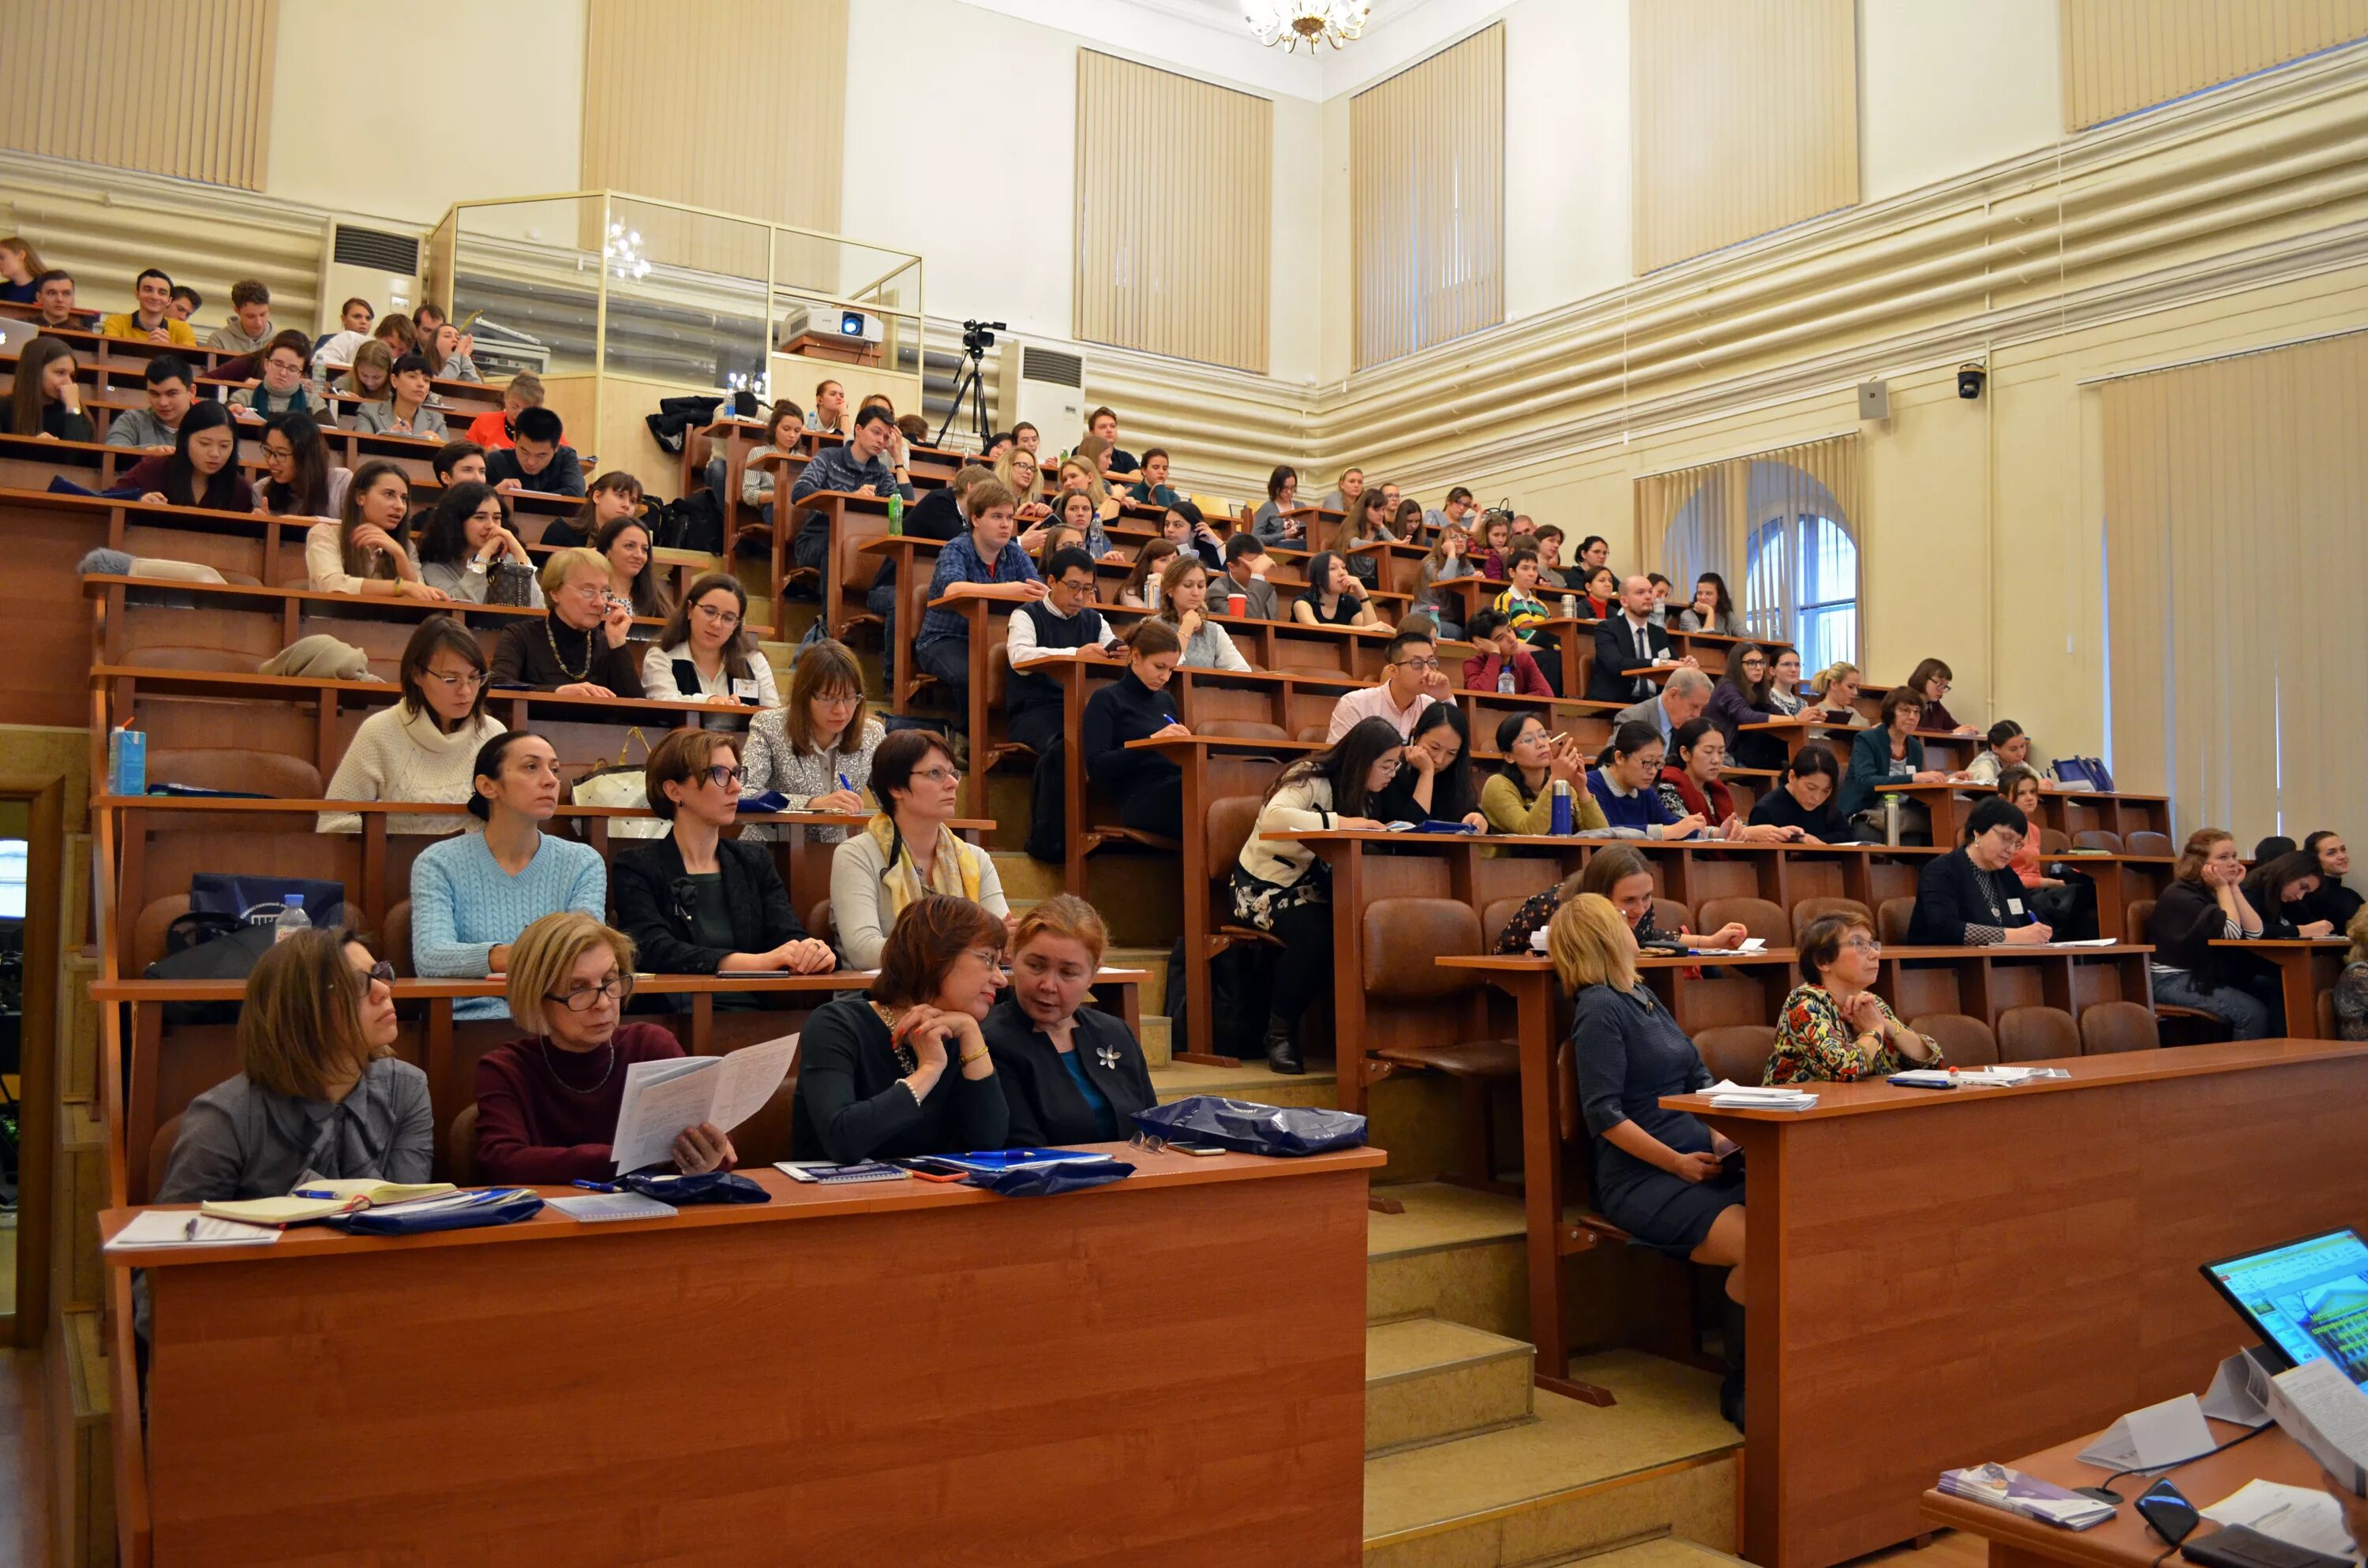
1744 120
2235 546
1427 200
2120 56
1754 520
1175 213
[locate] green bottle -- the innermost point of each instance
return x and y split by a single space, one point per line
895 513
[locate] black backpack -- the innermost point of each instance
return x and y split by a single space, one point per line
209 947
695 522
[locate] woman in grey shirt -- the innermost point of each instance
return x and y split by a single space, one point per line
322 1094
466 540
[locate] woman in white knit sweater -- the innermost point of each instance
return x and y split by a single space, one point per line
423 748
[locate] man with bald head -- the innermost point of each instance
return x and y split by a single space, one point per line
1679 703
1627 646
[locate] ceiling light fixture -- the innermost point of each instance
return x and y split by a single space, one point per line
1288 22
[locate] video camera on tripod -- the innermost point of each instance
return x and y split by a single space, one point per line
978 337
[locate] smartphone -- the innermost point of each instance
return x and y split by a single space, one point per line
1204 1150
2171 1514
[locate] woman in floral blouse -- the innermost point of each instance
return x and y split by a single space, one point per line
1834 1027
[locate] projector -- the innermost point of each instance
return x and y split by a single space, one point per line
849 326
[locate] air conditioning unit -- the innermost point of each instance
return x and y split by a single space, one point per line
1048 392
371 264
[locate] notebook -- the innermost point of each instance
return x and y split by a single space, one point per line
598 1208
319 1200
838 1175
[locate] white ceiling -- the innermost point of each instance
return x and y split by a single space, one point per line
1206 37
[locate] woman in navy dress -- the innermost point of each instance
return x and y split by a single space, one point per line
1658 1174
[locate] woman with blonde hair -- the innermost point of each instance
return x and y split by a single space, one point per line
547 1103
1016 469
320 1092
1659 1175
582 647
1071 1073
371 375
816 748
1184 606
1837 687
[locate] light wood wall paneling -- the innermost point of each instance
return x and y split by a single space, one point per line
2120 56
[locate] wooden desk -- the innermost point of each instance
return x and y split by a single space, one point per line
2123 1540
1171 1368
1939 1279
2306 966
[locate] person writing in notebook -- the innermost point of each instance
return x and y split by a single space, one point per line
547 1105
320 1093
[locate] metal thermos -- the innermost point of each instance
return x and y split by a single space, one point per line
1561 805
1891 820
1570 606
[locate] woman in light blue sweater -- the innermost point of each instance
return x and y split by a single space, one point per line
470 896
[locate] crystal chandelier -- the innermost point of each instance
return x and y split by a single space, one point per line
623 252
1288 22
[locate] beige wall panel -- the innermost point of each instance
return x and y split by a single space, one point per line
1746 115
2124 56
1175 183
175 87
1426 201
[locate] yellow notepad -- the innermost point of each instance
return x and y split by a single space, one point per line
296 1210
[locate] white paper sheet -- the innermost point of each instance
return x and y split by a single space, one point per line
2160 1435
161 1229
2326 1412
2295 1515
664 1097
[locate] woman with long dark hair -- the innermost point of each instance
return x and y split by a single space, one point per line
46 400
200 471
364 552
303 483
466 538
1436 783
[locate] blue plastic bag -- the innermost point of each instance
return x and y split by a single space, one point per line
1248 1128
493 1206
709 1187
1044 1180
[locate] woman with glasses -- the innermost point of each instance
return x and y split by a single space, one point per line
547 1105
1971 897
300 481
1280 886
817 748
423 748
907 852
697 902
904 1069
1834 1029
705 651
582 647
320 1092
471 895
467 536
1930 680
1740 698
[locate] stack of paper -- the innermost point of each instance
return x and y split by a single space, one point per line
321 1197
1996 1486
665 1097
2325 1411
178 1228
2295 1515
1728 1094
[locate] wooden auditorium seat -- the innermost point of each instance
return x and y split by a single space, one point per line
1736 1051
235 770
1497 914
2037 1034
1892 920
1670 915
460 1147
160 1152
2098 838
2107 1027
1810 909
1966 1040
2053 841
2143 842
1403 935
395 940
1760 918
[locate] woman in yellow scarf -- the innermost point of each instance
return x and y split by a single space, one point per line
908 850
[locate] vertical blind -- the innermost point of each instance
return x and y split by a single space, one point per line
699 104
1427 200
2235 542
178 88
2124 56
1175 198
1781 528
1746 120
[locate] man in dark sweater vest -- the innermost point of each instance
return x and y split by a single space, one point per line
1063 621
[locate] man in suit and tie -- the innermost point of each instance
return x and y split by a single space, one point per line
1627 644
1679 703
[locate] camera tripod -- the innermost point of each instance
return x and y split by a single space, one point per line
972 383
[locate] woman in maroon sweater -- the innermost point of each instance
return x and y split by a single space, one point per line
547 1105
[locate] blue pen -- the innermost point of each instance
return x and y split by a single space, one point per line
315 1192
598 1185
844 785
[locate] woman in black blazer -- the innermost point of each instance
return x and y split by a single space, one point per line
694 902
1971 897
1071 1073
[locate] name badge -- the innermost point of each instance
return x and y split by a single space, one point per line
2014 907
744 687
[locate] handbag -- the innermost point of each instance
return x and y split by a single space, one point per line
1248 1128
2082 773
621 784
510 583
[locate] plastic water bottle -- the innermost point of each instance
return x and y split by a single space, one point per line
895 513
1505 679
292 918
1562 806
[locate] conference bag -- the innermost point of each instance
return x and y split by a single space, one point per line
708 1187
621 784
455 1212
1248 1128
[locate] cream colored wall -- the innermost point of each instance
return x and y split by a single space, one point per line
1944 89
396 112
1566 152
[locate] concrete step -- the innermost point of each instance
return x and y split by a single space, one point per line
1427 1380
1573 1480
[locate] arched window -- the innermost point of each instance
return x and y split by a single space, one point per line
1801 582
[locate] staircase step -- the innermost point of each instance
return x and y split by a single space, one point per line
1158 1048
1153 962
82 1496
1574 1480
1248 1082
1428 1380
1453 1253
1659 1551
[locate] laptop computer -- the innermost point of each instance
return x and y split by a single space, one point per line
16 333
2307 1299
